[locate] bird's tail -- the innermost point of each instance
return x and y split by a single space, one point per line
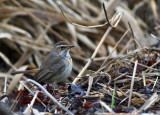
25 72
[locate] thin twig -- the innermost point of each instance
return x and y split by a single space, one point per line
49 95
105 11
95 26
120 76
134 35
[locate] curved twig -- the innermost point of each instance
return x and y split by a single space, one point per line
49 95
95 26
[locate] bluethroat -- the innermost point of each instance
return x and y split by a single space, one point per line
57 65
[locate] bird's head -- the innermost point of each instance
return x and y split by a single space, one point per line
63 48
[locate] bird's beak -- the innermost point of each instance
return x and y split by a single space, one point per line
70 46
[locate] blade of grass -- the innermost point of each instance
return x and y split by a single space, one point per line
113 100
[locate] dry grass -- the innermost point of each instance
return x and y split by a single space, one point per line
107 47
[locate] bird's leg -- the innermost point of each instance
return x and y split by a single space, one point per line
51 88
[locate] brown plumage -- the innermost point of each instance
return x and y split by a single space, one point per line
57 65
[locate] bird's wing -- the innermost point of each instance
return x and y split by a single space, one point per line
52 63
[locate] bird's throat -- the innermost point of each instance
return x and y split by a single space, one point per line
66 54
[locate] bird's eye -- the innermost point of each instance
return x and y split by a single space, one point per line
62 48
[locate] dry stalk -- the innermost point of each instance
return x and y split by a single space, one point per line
95 26
5 85
114 48
15 101
120 76
90 82
134 36
6 59
126 46
16 80
148 68
149 102
115 20
49 95
102 66
106 106
21 82
152 66
144 78
28 110
154 9
132 83
38 20
22 59
154 84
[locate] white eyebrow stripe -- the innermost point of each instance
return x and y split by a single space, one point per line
62 45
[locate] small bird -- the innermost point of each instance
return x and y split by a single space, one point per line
57 65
